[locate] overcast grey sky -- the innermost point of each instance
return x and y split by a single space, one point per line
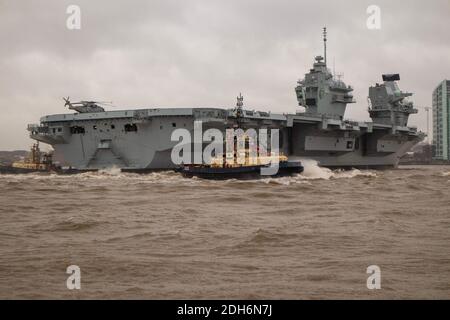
204 52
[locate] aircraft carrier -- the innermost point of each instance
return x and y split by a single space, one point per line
140 140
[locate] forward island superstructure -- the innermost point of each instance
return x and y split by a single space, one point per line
140 139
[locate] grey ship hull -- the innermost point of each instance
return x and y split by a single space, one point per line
104 141
141 139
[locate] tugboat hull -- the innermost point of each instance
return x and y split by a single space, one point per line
14 170
242 173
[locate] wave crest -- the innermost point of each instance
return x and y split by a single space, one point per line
312 170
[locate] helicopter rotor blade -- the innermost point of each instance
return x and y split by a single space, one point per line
66 100
104 102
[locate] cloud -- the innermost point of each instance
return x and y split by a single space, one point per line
202 53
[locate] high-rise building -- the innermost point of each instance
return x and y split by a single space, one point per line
441 121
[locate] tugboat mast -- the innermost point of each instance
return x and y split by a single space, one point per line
240 101
239 105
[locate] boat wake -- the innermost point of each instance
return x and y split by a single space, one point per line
106 175
313 171
112 171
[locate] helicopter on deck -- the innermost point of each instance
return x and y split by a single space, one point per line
85 106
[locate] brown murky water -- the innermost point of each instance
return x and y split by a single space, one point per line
164 236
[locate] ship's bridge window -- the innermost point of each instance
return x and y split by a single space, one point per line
130 127
357 143
76 130
310 101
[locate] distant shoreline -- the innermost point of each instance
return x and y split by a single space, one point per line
8 157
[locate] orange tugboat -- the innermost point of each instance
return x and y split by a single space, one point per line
252 168
37 161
